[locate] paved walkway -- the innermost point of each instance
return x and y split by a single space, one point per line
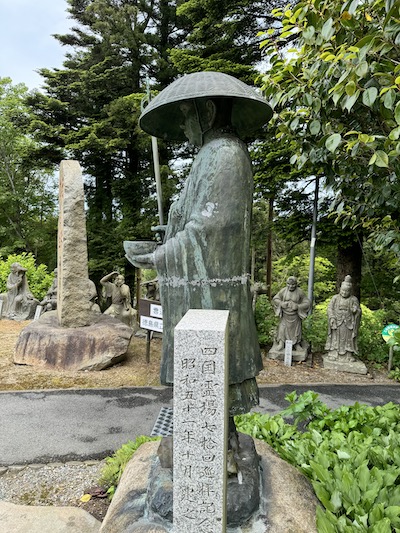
61 425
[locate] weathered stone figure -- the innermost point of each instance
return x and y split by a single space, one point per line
120 295
152 289
344 314
291 305
204 260
49 302
20 302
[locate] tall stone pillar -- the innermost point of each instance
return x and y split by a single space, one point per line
73 306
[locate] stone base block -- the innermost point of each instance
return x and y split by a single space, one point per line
286 501
352 367
95 347
298 355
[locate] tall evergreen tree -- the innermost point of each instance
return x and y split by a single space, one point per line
90 112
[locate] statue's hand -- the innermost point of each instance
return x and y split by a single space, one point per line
143 261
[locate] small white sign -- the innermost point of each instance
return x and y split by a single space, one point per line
1 307
38 312
151 323
288 353
156 310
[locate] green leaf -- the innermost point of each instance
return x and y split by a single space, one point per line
351 88
362 69
369 96
315 127
324 525
393 513
336 501
343 454
363 476
397 113
327 29
389 99
382 159
350 100
383 526
308 33
394 134
333 141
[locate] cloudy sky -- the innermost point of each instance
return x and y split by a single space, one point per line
26 42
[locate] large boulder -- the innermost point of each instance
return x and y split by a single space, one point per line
94 347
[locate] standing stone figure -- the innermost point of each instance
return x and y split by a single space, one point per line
20 302
120 295
292 306
203 262
344 314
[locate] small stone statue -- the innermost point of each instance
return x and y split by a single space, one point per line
152 289
120 295
20 304
292 306
49 302
344 314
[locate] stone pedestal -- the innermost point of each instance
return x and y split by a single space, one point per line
342 365
286 499
299 355
99 345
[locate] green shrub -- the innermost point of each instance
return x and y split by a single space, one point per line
371 345
351 456
115 465
266 320
39 279
299 266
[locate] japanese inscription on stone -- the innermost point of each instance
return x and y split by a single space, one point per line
200 421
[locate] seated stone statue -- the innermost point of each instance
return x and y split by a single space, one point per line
291 305
20 304
49 302
120 295
344 315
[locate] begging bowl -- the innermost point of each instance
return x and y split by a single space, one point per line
133 248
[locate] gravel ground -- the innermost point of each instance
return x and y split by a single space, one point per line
54 484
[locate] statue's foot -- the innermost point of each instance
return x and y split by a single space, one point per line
332 356
231 464
280 346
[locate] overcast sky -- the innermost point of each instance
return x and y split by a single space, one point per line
26 42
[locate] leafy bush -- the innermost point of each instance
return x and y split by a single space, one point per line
370 343
351 456
266 320
115 465
39 279
299 266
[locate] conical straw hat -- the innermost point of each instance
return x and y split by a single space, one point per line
162 117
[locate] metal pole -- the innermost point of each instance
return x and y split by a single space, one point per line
157 175
156 163
312 247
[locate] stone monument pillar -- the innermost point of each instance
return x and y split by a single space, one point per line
73 306
200 421
76 336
